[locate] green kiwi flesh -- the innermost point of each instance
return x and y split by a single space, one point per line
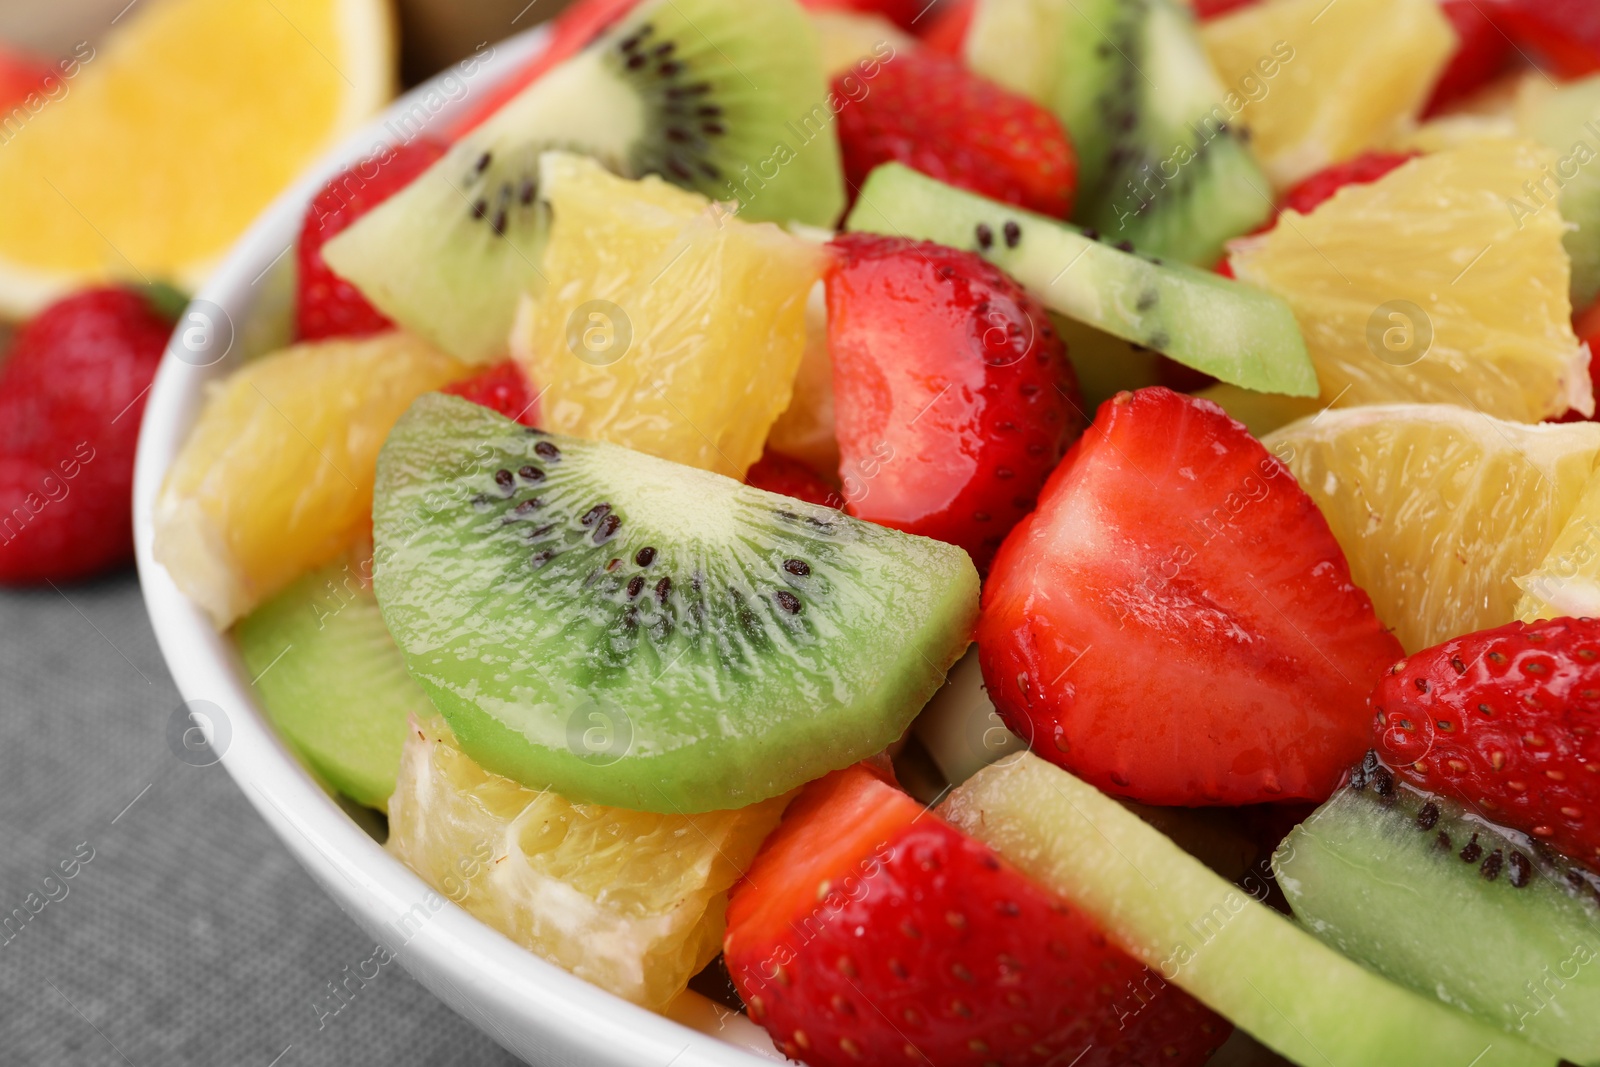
633 632
332 680
663 92
1429 895
1568 122
1233 332
1160 165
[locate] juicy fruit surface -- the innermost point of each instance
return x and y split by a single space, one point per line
786 476
869 931
1285 988
326 305
1567 580
276 476
1176 622
630 901
503 388
1561 120
1425 893
669 327
656 637
953 394
1482 51
1503 720
1438 509
1236 333
934 115
1488 322
1566 33
72 391
331 679
1358 72
282 83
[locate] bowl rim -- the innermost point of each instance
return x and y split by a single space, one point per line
528 1005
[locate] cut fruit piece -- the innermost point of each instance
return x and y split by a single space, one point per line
663 638
871 932
1440 509
805 430
106 182
1160 166
669 327
276 476
1106 365
630 901
1422 286
331 679
1176 623
1354 74
503 388
1261 413
1233 332
1566 33
849 38
787 476
661 92
1432 896
1567 121
1481 53
1270 978
1567 579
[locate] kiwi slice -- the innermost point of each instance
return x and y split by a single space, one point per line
1211 937
1567 121
332 680
1233 332
1427 893
633 632
1160 163
722 96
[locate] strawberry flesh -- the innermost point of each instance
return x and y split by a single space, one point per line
953 396
947 27
1176 623
72 394
787 476
934 115
502 388
1504 721
1483 52
1565 33
907 14
326 305
870 931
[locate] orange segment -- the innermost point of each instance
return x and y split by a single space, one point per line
277 476
177 134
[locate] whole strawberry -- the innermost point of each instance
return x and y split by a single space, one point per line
72 392
953 396
1504 720
869 931
931 113
326 305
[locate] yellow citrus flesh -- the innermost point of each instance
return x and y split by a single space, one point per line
277 475
1423 286
1567 581
176 133
668 326
1440 510
630 901
805 430
1360 72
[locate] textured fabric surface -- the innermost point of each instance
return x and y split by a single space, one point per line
186 933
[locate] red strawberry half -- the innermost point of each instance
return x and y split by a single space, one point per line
871 932
1507 721
1176 623
326 304
1484 51
953 396
503 388
72 394
934 115
1565 33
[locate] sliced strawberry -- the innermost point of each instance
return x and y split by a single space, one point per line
869 931
570 33
503 388
953 396
1484 52
326 305
1504 721
934 115
1210 9
778 473
72 394
1362 170
947 27
907 14
1565 33
1176 623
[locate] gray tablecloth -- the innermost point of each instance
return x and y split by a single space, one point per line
186 934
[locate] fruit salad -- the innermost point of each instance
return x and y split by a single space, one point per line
1002 532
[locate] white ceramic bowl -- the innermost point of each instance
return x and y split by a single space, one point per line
533 1008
